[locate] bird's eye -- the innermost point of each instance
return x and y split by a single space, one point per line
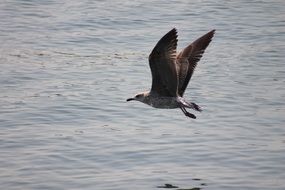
137 96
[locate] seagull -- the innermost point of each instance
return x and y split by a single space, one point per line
172 71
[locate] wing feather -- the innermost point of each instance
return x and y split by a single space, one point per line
188 58
162 61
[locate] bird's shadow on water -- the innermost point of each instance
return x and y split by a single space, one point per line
170 186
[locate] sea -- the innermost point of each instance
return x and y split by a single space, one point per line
67 68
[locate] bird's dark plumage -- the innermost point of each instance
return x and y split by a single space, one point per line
172 72
163 67
188 58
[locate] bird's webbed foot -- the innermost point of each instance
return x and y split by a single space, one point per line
196 107
188 114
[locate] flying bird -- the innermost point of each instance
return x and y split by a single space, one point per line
172 71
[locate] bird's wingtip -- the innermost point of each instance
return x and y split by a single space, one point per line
174 30
211 33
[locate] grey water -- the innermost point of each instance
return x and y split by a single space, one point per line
67 68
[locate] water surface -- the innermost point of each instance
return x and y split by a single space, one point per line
67 68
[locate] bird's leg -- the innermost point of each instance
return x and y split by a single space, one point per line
187 113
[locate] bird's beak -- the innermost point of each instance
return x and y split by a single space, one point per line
129 99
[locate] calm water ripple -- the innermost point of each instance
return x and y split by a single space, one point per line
67 68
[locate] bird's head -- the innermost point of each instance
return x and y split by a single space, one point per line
138 97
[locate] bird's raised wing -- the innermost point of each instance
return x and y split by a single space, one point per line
163 67
188 58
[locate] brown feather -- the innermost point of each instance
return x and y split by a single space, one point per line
188 58
163 67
